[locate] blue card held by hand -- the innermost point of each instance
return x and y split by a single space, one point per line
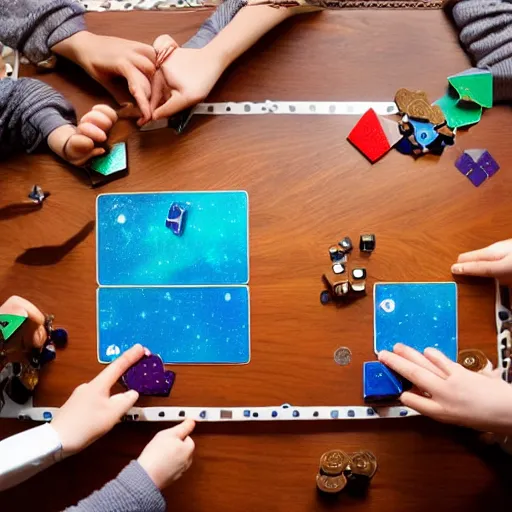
419 315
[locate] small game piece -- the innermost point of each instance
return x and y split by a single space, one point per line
343 356
148 377
416 105
9 324
48 353
359 287
325 297
180 120
459 113
114 161
363 464
37 195
367 243
334 462
474 85
474 360
330 484
380 383
176 219
338 268
341 288
424 132
59 337
336 254
346 244
359 273
477 165
374 136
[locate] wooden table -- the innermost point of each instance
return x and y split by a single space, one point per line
307 187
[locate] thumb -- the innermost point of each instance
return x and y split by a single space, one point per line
123 402
183 430
482 268
176 103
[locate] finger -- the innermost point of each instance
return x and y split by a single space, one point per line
19 306
92 131
189 445
489 253
440 360
157 86
142 63
113 372
78 145
123 402
424 379
416 357
183 430
99 119
147 51
108 111
97 152
175 104
140 89
497 268
423 405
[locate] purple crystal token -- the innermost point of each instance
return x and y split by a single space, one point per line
148 377
488 164
477 176
465 164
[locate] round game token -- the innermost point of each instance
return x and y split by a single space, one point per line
325 297
363 464
334 462
330 484
473 359
343 356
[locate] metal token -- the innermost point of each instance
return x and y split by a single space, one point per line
363 464
334 462
343 356
473 359
330 484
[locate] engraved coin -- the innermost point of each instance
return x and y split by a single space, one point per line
474 360
334 462
363 463
330 484
343 356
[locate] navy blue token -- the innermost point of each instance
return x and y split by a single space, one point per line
161 414
295 414
370 411
274 414
335 414
47 415
202 414
285 406
351 413
59 337
325 297
255 414
247 413
403 412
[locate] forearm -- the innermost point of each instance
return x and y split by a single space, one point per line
34 26
131 491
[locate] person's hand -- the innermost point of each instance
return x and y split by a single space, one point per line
492 261
90 412
169 454
78 144
107 58
184 79
450 393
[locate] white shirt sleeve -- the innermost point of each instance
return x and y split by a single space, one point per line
25 454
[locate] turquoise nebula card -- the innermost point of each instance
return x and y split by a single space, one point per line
183 325
420 315
136 248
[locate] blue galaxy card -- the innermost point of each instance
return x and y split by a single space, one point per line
138 242
182 325
420 315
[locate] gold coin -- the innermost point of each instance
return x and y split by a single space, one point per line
473 359
363 463
330 484
334 462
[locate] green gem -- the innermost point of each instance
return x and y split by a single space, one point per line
9 324
473 85
459 113
111 163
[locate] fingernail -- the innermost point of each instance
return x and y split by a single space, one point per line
133 394
457 269
398 345
147 352
138 346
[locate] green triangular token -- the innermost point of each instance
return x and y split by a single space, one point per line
9 324
112 162
459 113
473 85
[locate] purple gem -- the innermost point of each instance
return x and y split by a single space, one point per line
465 164
477 176
176 219
148 377
488 164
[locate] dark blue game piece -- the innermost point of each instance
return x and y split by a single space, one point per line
404 146
176 219
47 415
274 414
403 412
351 413
59 337
334 414
370 411
295 414
380 383
202 414
325 297
47 354
346 244
336 253
367 243
247 414
37 195
255 414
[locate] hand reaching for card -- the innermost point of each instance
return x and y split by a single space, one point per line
492 261
449 393
78 144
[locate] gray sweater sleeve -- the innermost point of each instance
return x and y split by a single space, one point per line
215 23
486 33
131 491
34 26
29 111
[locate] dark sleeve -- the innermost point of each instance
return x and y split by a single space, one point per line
215 23
131 491
486 34
29 111
34 26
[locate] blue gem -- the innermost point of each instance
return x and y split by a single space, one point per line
424 132
295 414
176 219
247 413
202 414
334 414
403 412
285 406
47 415
370 411
325 297
274 414
59 337
47 354
351 413
380 383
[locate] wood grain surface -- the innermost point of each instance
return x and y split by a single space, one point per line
308 187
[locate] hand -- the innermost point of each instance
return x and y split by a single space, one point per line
169 454
108 58
185 78
90 411
492 261
450 393
78 144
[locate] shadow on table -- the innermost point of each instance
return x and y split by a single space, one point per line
11 211
52 254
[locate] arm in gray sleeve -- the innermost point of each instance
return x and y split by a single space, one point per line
215 23
486 33
29 111
34 26
131 491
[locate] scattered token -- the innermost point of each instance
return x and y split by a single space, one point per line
334 462
343 356
363 464
338 268
331 484
473 359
